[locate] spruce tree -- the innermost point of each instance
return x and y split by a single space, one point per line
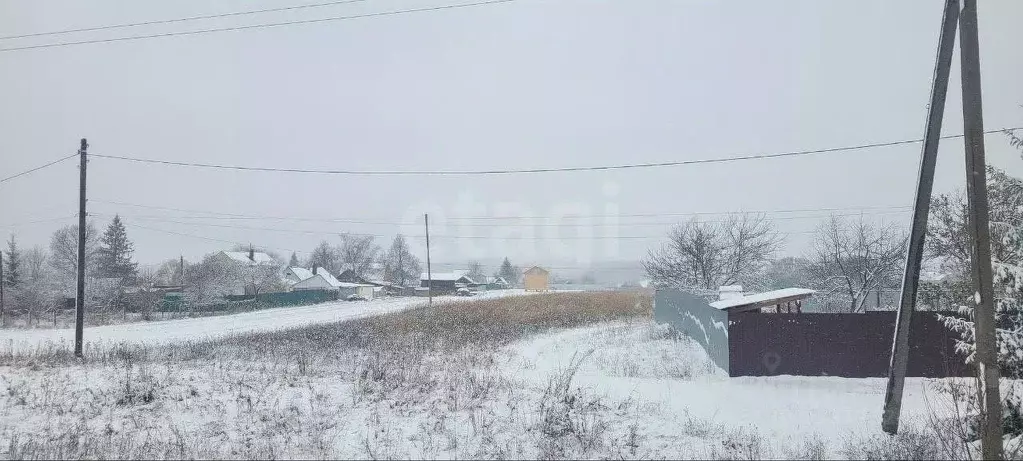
12 273
115 252
509 272
294 260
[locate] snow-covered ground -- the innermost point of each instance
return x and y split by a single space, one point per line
636 392
677 384
199 328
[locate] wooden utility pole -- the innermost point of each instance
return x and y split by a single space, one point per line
181 270
429 271
921 208
80 299
980 238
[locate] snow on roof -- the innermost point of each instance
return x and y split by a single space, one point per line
333 281
301 273
258 258
730 288
444 276
932 276
761 297
330 279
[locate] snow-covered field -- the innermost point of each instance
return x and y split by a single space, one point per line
423 384
200 328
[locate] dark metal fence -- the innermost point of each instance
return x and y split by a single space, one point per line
847 345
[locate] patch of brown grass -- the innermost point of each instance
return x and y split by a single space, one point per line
452 325
506 319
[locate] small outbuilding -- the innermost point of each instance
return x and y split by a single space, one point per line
536 278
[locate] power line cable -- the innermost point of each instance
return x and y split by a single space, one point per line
175 20
489 225
259 26
40 221
439 236
182 234
223 215
23 173
529 170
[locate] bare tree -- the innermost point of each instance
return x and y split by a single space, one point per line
706 255
325 256
261 278
35 262
853 260
400 266
476 272
208 280
146 298
169 272
64 250
358 253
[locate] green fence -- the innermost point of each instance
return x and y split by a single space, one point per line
175 303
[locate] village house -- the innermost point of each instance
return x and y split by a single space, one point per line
254 265
293 275
322 279
445 282
497 283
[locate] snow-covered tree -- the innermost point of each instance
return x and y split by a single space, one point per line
169 272
35 263
476 272
509 273
208 280
855 261
114 256
293 262
358 253
706 255
325 256
400 266
1006 203
12 271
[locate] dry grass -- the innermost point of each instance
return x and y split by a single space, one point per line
422 383
447 326
437 361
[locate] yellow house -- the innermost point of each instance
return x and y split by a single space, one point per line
536 279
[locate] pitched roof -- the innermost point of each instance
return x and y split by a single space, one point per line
537 269
333 281
258 258
301 273
452 276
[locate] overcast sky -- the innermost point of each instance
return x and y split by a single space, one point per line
526 84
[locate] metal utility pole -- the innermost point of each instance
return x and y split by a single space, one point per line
80 299
921 208
429 272
980 238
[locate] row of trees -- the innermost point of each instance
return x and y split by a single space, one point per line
853 263
36 278
850 260
397 265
